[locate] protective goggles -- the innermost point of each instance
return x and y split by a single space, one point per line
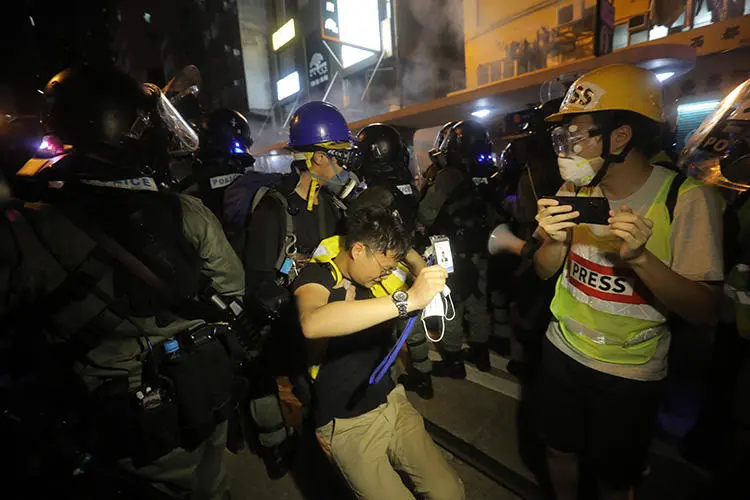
348 157
566 139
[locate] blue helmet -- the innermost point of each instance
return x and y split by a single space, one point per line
317 122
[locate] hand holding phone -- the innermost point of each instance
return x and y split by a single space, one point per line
555 219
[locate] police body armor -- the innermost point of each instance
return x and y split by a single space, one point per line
95 312
463 218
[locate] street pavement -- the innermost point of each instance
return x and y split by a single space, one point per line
486 412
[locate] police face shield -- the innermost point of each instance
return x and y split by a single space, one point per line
182 138
717 151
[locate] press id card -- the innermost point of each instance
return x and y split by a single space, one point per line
441 249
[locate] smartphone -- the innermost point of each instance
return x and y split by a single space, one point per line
593 210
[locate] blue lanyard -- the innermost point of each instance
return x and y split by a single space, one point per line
379 372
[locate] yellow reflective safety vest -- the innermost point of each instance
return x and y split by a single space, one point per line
604 310
327 250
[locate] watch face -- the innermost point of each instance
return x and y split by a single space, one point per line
400 296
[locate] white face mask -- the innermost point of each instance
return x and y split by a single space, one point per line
579 170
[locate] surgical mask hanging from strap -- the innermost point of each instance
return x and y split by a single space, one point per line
438 308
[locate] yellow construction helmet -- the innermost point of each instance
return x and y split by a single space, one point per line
617 87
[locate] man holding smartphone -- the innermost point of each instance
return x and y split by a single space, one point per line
606 354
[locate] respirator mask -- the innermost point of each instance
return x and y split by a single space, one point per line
567 142
345 183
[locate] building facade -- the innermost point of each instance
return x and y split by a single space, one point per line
504 41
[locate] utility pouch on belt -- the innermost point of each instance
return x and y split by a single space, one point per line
155 424
202 378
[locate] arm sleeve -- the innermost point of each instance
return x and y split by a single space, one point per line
204 232
262 243
432 203
697 235
314 273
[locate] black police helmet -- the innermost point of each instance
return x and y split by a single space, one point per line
90 108
225 133
467 144
384 156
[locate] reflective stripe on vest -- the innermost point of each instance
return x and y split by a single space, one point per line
616 319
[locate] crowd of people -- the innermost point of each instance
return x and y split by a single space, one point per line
169 302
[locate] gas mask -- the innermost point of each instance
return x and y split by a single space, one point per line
574 168
342 185
345 183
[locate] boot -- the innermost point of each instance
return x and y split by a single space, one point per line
452 365
418 382
478 354
278 459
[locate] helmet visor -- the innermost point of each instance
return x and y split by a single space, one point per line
182 138
721 138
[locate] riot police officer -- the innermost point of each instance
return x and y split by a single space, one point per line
224 156
383 164
431 173
455 206
111 270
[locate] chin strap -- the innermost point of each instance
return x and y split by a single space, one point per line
312 193
610 158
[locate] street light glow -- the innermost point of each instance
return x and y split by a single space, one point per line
664 76
481 113
283 35
697 106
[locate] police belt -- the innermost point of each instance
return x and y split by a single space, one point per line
179 403
581 330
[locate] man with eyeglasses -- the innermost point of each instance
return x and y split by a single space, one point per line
365 425
658 254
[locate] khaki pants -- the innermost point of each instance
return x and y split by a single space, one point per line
371 449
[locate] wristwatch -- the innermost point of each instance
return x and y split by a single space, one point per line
401 299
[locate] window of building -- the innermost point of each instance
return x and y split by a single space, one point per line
565 14
703 16
483 74
638 37
496 70
658 32
620 36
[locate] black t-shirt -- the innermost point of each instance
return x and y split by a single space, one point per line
342 388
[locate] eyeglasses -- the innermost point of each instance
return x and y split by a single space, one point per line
385 271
